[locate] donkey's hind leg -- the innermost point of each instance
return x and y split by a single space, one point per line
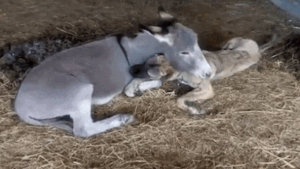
83 125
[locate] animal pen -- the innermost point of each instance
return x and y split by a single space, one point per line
253 121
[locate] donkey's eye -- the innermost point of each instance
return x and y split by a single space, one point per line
184 53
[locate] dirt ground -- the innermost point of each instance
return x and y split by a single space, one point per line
255 120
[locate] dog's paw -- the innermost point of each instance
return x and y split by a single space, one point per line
138 93
196 111
129 93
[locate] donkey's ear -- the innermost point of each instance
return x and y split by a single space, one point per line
158 30
165 16
143 28
155 29
166 19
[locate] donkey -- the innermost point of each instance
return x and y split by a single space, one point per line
236 55
62 89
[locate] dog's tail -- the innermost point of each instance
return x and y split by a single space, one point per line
61 122
274 40
277 38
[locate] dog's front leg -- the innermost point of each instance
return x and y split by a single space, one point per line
132 88
204 92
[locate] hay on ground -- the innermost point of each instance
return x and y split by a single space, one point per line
255 124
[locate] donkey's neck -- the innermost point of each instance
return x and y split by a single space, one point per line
140 48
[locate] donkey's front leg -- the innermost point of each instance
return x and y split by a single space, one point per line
204 92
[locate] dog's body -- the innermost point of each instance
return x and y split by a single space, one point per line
232 59
66 85
237 55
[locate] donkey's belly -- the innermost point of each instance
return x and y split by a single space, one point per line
111 85
105 92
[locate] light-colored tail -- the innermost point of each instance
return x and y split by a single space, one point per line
270 44
277 38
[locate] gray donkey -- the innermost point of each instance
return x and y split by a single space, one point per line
62 89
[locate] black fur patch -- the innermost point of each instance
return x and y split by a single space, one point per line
139 71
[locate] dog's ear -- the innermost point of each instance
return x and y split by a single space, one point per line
232 43
154 72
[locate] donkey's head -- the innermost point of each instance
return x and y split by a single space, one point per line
181 46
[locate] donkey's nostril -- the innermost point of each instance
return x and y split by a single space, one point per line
208 75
